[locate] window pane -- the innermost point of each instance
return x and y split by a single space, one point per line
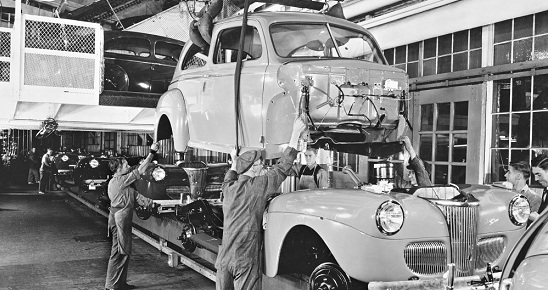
442 147
444 113
541 47
519 155
400 54
503 31
460 61
413 52
413 69
502 54
475 59
501 131
460 41
427 117
541 23
521 94
429 67
430 48
520 130
499 165
523 26
540 130
460 142
440 176
501 103
401 66
444 64
540 94
167 51
460 120
523 50
458 174
444 44
475 38
425 147
389 54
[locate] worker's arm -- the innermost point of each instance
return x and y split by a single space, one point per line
143 166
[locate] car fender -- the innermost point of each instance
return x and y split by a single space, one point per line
354 240
171 118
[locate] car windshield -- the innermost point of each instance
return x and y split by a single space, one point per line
315 40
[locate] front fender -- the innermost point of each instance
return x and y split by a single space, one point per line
171 118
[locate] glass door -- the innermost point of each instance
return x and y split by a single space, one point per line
447 132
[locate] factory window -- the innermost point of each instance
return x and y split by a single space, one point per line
452 52
93 138
405 57
110 141
341 159
521 39
447 53
519 118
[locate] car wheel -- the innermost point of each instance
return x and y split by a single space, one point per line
329 276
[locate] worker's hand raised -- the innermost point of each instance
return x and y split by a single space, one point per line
155 146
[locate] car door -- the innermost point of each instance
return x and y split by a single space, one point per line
217 104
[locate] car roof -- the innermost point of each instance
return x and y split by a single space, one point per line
111 34
292 16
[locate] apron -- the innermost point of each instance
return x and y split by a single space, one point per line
307 180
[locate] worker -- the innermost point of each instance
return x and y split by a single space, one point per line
539 167
122 202
246 188
416 172
46 168
312 175
518 173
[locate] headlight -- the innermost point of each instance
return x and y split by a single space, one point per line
519 210
158 173
65 158
390 217
93 163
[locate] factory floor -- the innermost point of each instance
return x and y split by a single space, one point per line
52 241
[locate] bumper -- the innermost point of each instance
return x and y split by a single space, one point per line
460 283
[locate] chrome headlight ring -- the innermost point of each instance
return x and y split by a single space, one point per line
389 217
93 163
158 173
519 210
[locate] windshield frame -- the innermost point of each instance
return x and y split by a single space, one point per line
366 36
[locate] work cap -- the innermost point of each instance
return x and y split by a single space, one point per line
244 161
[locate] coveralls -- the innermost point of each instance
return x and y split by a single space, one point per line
307 180
239 261
122 201
45 173
417 165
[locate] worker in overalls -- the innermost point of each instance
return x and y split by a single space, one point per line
312 175
246 189
120 219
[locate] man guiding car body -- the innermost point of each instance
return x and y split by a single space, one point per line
246 188
122 202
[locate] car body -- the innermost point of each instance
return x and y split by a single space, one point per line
91 173
352 99
139 62
345 231
65 162
527 264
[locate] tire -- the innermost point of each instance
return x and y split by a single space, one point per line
329 276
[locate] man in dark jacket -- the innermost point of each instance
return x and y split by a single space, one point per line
122 202
246 188
34 166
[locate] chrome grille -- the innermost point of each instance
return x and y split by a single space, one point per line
489 250
463 232
426 258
